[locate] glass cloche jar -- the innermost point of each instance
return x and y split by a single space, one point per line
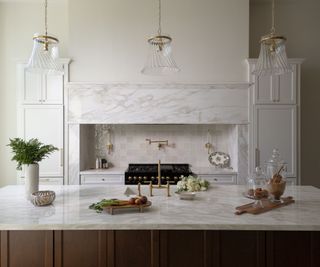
275 169
275 165
256 180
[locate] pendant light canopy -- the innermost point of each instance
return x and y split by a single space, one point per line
160 60
45 52
273 58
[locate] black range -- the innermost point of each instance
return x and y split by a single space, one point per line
144 173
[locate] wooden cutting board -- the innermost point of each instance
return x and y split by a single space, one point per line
125 205
267 205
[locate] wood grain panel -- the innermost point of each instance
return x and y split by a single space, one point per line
182 248
132 248
29 248
80 248
294 249
240 248
315 244
4 248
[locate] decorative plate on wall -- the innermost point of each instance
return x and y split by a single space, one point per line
219 159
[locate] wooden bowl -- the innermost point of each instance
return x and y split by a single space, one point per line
43 198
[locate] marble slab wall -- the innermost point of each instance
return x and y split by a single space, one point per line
181 113
158 103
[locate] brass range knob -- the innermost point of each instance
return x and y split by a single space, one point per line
168 178
152 177
129 178
134 177
145 178
175 178
140 178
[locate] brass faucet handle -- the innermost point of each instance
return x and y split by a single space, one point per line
139 189
168 189
150 188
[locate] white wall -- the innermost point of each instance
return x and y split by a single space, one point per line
108 43
18 22
108 39
299 21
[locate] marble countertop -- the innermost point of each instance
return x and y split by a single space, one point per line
213 210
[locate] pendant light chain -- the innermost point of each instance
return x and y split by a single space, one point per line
273 29
159 14
46 17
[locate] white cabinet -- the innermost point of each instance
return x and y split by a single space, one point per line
276 127
275 118
220 178
42 89
46 124
40 114
102 179
278 89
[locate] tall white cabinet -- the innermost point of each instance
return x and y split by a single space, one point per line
275 118
41 115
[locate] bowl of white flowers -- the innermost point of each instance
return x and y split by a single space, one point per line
187 187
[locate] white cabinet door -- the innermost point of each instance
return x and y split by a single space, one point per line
52 92
278 89
36 88
275 126
32 86
220 178
46 124
102 179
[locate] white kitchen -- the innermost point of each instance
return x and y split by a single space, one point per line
176 133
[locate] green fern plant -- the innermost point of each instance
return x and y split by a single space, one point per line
29 152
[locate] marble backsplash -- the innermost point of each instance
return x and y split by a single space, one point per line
186 143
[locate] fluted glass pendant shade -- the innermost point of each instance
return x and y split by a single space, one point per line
160 60
44 56
45 52
273 57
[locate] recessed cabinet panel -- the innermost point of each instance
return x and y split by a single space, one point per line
275 127
32 88
53 90
102 179
263 89
46 124
287 85
80 248
29 248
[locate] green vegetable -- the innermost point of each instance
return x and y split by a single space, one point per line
98 207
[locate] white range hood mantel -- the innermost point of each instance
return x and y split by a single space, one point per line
154 103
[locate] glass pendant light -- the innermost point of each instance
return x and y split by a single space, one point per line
273 58
160 60
45 52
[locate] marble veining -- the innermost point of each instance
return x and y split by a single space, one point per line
213 210
152 103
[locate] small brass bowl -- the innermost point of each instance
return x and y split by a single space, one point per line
43 198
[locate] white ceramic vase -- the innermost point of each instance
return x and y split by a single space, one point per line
31 179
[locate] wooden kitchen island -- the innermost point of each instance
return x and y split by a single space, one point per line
172 233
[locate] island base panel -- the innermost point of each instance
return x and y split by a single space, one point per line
159 248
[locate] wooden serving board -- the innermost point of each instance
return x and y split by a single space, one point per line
125 205
267 205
